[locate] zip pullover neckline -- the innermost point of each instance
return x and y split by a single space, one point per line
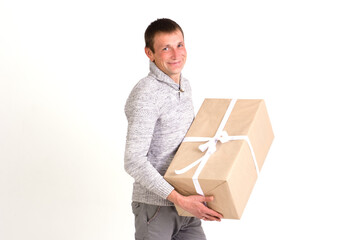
162 77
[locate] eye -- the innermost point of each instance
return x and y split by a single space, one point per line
180 45
165 49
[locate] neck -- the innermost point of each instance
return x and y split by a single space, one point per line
176 78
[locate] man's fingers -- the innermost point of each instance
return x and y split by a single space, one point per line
210 212
200 210
211 218
215 214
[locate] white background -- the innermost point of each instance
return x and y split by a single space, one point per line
67 67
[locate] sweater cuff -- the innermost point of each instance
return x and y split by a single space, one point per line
165 189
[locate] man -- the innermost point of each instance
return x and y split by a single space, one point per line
159 111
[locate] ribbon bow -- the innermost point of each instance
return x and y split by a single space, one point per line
210 145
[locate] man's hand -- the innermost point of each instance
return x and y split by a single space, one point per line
194 204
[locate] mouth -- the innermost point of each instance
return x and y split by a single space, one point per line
175 63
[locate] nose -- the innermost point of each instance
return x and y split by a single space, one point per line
174 53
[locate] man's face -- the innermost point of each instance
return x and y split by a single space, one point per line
170 53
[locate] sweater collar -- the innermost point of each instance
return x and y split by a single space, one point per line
162 77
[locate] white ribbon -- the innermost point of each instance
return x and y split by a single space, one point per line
210 148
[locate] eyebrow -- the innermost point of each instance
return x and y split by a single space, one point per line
168 45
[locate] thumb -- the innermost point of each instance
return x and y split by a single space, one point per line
208 198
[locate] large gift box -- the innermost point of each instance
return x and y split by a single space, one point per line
222 154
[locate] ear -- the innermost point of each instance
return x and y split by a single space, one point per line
149 53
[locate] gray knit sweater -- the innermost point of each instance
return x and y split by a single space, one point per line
158 115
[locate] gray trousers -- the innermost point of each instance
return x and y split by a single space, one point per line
163 223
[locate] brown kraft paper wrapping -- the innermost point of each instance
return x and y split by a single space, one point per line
229 174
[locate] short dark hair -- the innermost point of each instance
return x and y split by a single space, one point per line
160 25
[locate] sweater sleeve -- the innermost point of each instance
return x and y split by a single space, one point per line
142 113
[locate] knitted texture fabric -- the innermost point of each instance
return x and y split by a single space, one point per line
159 113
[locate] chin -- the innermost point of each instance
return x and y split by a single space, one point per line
177 69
